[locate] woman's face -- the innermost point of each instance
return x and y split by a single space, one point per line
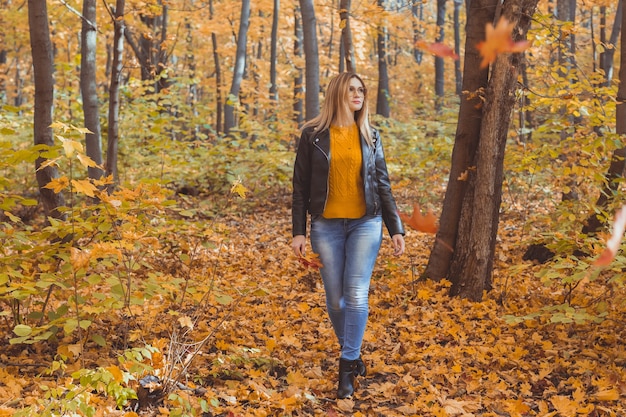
356 94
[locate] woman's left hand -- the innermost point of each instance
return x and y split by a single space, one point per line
398 244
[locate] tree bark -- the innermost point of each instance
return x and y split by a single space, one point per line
312 67
382 96
417 12
618 160
458 75
273 53
89 88
472 262
43 67
298 88
346 35
606 57
240 66
439 64
480 13
114 92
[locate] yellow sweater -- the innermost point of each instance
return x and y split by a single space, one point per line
346 195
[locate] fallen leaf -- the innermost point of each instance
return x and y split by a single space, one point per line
427 223
498 40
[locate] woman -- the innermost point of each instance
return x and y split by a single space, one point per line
340 178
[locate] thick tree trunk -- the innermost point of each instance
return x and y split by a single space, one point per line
89 88
346 35
43 67
618 161
240 66
114 92
298 88
466 139
382 96
312 64
472 262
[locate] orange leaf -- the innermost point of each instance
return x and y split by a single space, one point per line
427 223
437 49
498 40
612 246
312 261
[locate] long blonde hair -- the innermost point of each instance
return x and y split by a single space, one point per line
336 101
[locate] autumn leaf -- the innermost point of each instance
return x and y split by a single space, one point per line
437 48
58 184
84 187
239 189
426 224
498 40
619 225
312 261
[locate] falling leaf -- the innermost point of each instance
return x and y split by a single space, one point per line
498 40
426 224
619 225
311 261
437 48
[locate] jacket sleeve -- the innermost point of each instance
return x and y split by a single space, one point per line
301 186
389 208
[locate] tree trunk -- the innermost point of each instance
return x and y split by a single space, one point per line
480 13
417 12
382 96
458 75
218 85
346 35
240 66
439 64
114 92
43 67
618 161
273 53
298 88
311 57
89 89
472 262
607 55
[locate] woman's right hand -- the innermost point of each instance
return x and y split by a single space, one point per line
298 244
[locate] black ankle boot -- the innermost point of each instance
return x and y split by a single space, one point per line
347 371
360 367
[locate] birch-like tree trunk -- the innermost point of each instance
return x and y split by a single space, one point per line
346 35
311 57
240 66
113 131
298 88
43 68
89 88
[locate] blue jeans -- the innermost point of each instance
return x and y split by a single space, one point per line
348 249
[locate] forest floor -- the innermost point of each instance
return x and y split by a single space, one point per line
271 352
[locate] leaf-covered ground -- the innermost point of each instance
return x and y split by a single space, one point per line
272 352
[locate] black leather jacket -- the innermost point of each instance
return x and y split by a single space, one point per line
310 181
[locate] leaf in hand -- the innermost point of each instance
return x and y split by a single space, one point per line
438 49
312 261
619 225
498 40
427 223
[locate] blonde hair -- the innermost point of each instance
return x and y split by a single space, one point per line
336 102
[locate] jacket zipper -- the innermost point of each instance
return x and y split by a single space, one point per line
316 139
